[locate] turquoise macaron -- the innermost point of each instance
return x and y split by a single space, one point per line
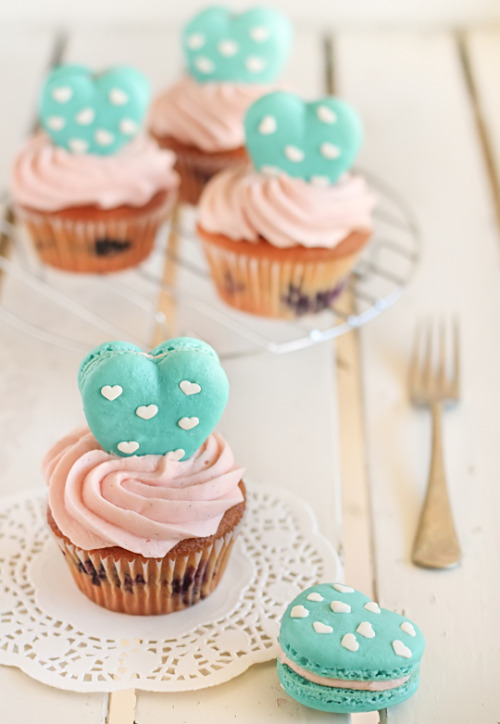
341 652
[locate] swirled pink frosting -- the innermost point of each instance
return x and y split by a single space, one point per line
145 504
208 116
243 204
49 178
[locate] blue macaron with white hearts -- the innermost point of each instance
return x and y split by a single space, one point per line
341 652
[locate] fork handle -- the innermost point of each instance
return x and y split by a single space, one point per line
436 543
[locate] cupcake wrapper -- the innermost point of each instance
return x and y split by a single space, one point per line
96 247
147 586
273 288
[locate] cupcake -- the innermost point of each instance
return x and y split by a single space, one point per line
91 191
231 61
146 502
282 235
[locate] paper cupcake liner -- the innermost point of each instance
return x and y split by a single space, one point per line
270 287
106 245
148 586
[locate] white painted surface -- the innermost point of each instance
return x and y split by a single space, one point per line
420 132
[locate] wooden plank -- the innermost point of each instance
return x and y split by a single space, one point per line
421 137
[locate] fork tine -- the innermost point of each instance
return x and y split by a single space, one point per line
442 367
427 358
414 360
456 357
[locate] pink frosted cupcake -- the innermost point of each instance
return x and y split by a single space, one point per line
232 60
91 193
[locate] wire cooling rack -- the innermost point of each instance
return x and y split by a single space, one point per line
172 294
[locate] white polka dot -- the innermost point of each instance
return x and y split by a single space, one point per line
147 412
401 650
271 171
111 393
342 589
320 181
204 65
228 48
103 137
56 123
255 64
187 423
268 125
128 126
322 628
78 145
62 94
366 629
299 612
118 97
128 447
195 41
315 597
85 116
293 153
176 454
407 627
259 33
329 150
325 114
189 388
340 607
350 642
372 606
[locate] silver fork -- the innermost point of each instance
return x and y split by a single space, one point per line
435 383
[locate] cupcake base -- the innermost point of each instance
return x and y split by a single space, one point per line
88 239
196 167
126 582
262 279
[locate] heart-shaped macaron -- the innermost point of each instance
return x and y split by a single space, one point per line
343 653
315 141
251 47
167 400
98 114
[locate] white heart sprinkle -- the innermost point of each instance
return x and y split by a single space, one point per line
56 122
350 642
270 170
195 41
78 145
401 650
85 116
176 455
293 153
340 607
103 137
329 150
372 606
111 393
322 628
128 447
299 612
259 33
147 411
187 423
118 97
267 125
366 629
343 589
62 94
255 64
315 597
128 126
325 114
204 65
228 48
407 627
320 181
189 388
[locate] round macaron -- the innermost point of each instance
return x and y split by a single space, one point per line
340 652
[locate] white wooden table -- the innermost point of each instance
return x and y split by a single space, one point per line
333 423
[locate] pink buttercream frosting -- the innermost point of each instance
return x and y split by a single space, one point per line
208 116
243 204
144 504
48 178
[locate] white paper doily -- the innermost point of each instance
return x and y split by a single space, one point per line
56 635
